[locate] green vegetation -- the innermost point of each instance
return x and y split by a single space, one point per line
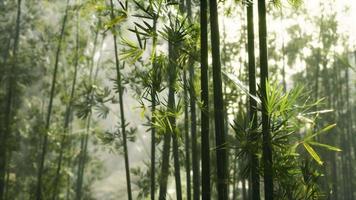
115 99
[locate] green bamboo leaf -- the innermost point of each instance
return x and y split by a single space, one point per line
320 112
142 16
241 86
115 21
325 129
312 153
332 148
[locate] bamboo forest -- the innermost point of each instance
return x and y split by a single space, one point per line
177 100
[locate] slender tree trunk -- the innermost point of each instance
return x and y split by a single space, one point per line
220 137
82 159
6 193
78 186
4 163
348 122
84 139
189 9
338 113
235 185
343 136
235 173
267 146
122 115
330 188
155 86
172 132
336 183
187 139
182 9
68 114
254 177
334 176
176 161
68 184
205 146
49 112
5 160
8 105
165 166
193 120
225 67
167 136
344 145
244 192
153 145
193 129
69 163
172 119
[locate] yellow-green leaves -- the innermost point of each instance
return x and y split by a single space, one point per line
327 128
279 102
323 130
308 143
312 153
325 146
117 20
132 52
162 123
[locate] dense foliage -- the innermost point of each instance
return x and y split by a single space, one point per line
186 99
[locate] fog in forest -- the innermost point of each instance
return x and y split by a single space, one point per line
181 100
